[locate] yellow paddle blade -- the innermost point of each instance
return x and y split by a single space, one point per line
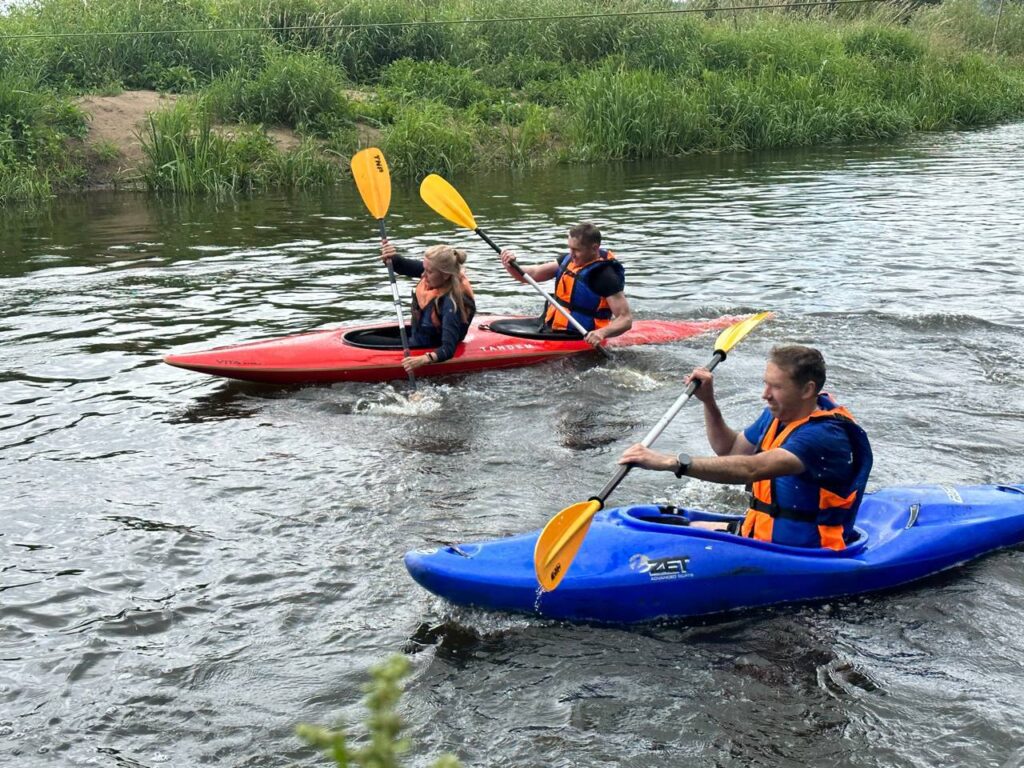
562 536
558 542
373 180
728 338
445 199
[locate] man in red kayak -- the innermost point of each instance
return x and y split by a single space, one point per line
442 302
589 282
805 461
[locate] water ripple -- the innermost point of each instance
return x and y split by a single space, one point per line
186 559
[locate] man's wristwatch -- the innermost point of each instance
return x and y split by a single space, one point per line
683 462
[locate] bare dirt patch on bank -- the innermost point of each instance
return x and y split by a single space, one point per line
112 147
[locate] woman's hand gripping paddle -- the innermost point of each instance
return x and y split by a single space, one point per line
370 171
562 536
445 200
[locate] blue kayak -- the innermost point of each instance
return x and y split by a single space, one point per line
644 563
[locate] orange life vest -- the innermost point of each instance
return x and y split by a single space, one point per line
573 293
827 519
423 296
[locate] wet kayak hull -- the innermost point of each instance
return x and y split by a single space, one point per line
638 565
331 356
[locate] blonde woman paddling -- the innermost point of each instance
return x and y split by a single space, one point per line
442 302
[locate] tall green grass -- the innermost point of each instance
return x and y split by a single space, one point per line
133 58
780 85
455 97
429 137
189 155
973 25
456 86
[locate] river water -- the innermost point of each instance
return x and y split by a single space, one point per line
191 567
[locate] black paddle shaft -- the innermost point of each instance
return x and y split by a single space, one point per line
486 239
718 357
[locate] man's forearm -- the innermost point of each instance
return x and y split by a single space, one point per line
618 326
727 470
721 436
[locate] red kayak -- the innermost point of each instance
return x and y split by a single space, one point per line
374 352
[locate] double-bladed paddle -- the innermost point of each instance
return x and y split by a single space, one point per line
446 200
373 181
562 536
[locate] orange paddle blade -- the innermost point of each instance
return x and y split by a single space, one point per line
559 541
373 180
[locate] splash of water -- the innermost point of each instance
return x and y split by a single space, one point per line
421 402
627 378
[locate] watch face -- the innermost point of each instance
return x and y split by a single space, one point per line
683 461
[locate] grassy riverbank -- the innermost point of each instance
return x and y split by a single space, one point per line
456 97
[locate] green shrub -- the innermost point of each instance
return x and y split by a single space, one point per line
452 85
300 90
35 126
430 138
34 123
384 745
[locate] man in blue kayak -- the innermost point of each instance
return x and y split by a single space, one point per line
805 461
589 282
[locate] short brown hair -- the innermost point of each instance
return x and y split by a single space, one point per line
586 233
802 363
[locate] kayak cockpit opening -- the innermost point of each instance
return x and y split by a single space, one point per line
670 514
698 522
388 337
378 337
529 328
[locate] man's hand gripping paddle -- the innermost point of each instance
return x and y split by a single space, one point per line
445 200
562 536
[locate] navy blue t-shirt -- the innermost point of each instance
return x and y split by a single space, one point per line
605 282
822 445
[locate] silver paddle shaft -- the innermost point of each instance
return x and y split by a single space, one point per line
718 357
